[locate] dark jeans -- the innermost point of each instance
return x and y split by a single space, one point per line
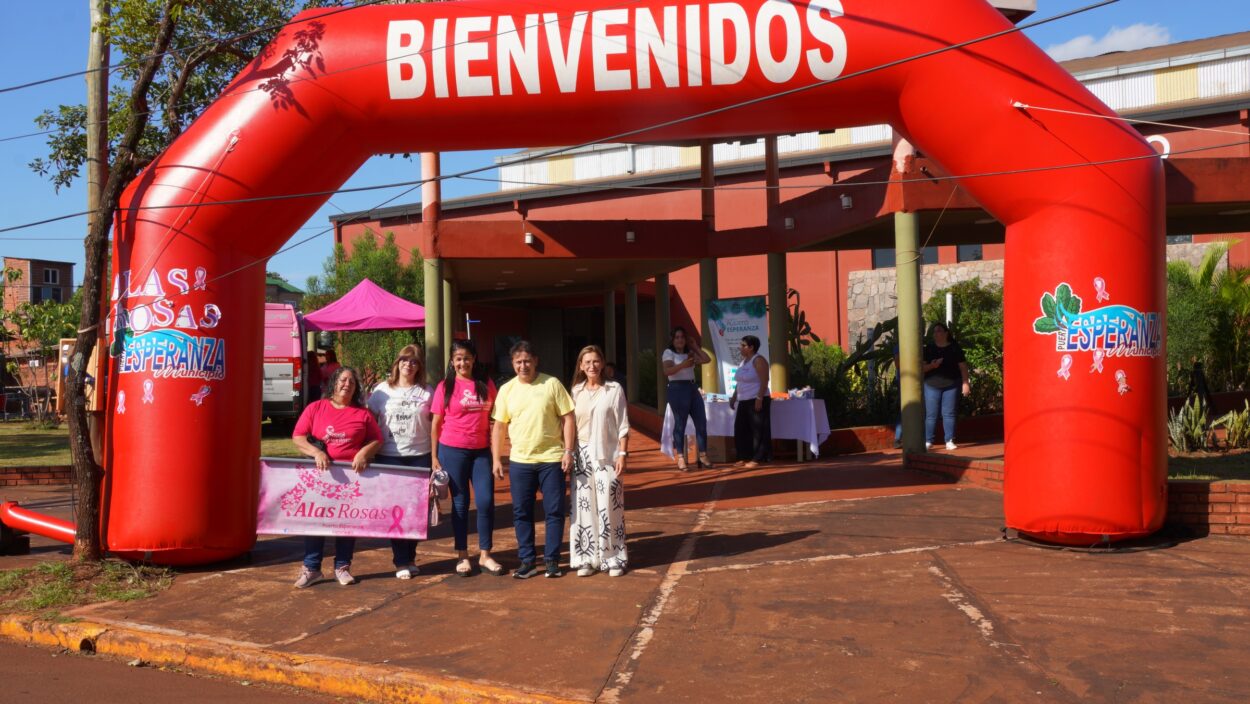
403 550
527 479
944 400
470 468
753 432
684 399
314 548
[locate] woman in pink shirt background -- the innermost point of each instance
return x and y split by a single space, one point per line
461 436
346 432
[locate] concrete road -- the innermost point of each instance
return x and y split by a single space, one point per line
37 676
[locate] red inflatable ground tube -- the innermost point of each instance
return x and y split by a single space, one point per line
14 516
1085 453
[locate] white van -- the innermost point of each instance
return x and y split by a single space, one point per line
284 375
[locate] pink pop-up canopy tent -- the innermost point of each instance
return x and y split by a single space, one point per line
367 307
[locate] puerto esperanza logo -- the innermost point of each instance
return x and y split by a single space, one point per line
1116 330
170 354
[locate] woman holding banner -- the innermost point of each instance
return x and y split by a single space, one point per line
683 395
402 406
461 437
597 533
339 428
753 434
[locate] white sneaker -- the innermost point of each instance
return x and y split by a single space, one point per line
407 572
585 571
928 446
307 577
344 575
616 571
950 445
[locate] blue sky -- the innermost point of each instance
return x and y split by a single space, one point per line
47 38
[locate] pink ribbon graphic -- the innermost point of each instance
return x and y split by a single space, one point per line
1122 380
121 401
200 395
147 391
201 279
1097 365
1100 286
1064 365
397 515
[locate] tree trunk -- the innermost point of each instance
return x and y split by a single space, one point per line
87 471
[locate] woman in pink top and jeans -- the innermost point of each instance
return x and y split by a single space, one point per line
461 436
346 432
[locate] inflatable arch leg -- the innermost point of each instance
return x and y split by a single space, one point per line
1084 415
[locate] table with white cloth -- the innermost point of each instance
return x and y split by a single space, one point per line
801 419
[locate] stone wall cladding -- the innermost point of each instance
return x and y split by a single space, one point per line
871 294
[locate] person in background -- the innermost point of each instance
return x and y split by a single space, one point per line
753 437
344 431
945 376
462 447
537 414
312 365
679 361
597 496
328 369
401 403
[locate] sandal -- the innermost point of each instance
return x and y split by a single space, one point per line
493 568
681 464
704 462
468 567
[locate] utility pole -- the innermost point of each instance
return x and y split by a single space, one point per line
86 438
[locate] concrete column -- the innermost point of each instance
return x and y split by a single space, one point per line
631 341
435 354
907 291
609 326
778 351
709 290
662 325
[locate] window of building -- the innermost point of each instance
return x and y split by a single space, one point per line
884 258
39 294
970 253
51 276
1180 239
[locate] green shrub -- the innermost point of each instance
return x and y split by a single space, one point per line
1192 310
1236 427
1189 429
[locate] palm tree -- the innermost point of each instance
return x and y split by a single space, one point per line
1209 318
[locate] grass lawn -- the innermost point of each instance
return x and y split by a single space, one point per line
50 586
1233 464
20 446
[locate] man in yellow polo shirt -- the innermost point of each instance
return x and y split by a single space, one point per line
537 413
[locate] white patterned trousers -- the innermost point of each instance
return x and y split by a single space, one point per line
597 530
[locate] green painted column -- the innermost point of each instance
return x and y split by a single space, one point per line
709 290
662 324
435 355
907 291
778 351
631 341
449 311
609 326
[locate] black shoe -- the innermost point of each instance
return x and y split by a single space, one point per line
525 571
553 570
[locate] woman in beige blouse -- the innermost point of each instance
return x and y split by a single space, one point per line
597 532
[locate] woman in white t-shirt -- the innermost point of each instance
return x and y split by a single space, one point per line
679 361
402 407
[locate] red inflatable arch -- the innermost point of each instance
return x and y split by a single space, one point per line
1084 263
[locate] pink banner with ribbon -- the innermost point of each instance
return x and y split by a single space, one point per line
384 501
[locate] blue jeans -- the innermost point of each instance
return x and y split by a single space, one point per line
403 550
526 480
314 548
684 399
945 400
470 468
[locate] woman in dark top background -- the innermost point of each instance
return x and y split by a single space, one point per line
945 376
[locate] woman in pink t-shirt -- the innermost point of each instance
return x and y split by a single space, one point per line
461 435
341 429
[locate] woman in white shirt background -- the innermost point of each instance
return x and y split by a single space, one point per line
753 436
679 361
401 404
597 532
